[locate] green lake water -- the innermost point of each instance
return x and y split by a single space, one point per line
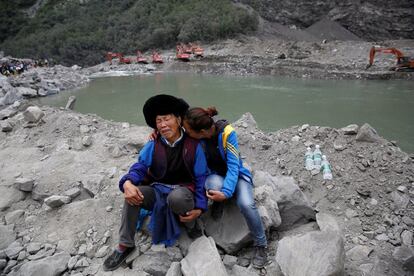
275 103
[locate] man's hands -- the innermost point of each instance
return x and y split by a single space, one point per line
191 215
132 194
216 195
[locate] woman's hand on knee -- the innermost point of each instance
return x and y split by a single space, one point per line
216 195
191 215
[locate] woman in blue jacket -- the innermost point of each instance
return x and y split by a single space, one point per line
229 177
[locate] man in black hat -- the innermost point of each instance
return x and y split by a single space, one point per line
168 180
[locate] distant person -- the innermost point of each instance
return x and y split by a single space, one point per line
168 180
230 178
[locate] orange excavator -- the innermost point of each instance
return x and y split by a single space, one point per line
196 50
110 56
404 63
156 58
123 60
141 58
182 53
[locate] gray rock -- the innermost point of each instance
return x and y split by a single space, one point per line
33 114
24 184
102 251
9 267
26 92
242 271
202 259
294 207
84 129
407 220
3 264
72 193
350 130
13 251
66 245
400 200
33 247
230 231
359 253
367 134
93 184
229 261
6 126
56 201
154 263
405 255
267 206
174 270
14 216
315 253
327 222
39 196
71 103
83 262
407 237
8 112
9 196
87 141
72 261
7 236
22 256
49 266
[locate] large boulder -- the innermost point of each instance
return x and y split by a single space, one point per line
50 266
9 196
7 236
203 259
230 230
294 207
33 114
367 133
26 92
157 260
316 253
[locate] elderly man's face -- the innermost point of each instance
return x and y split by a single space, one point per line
168 126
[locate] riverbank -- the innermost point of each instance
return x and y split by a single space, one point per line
60 202
243 56
275 57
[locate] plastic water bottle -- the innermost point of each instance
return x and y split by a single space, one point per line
309 159
317 158
326 168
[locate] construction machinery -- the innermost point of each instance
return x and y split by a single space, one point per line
196 50
182 53
156 58
141 58
110 56
404 63
123 59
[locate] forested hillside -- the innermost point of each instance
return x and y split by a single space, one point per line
82 31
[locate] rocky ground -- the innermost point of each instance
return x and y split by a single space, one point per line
60 205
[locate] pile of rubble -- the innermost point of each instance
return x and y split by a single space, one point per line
60 206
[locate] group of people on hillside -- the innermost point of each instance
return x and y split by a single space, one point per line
191 158
15 67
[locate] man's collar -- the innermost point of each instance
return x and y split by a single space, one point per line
175 142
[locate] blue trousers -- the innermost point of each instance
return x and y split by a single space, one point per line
245 201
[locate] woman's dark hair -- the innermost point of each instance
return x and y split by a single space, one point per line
199 118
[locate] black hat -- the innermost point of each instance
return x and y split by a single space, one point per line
162 105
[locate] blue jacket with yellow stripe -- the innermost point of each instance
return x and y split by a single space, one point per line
229 151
